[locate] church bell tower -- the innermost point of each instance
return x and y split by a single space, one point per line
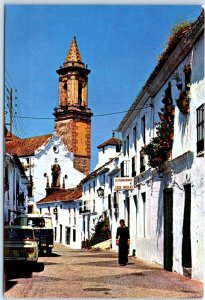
72 116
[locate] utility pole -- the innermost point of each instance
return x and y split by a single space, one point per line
10 113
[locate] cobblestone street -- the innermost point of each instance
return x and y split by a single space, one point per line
85 274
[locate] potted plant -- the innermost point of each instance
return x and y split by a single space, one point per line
183 102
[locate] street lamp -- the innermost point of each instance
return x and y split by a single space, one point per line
100 192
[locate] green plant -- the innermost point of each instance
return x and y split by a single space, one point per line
159 149
175 34
101 232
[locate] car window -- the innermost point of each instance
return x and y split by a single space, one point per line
18 233
36 222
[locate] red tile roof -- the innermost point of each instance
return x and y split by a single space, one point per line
63 195
9 136
112 141
26 147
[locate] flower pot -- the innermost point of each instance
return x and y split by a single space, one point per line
166 100
172 112
171 136
161 116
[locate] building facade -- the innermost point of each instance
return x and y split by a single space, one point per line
48 165
163 149
15 188
64 207
98 193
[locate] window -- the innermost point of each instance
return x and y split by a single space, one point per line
118 147
69 216
93 204
74 235
143 129
128 144
61 206
55 233
80 207
80 86
133 166
111 184
109 202
200 128
124 148
74 210
144 213
115 200
94 186
142 162
122 169
89 187
49 209
135 137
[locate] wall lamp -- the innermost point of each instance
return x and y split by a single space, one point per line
100 192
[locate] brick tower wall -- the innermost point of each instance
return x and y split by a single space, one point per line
76 135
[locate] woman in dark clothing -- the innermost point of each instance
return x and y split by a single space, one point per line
123 241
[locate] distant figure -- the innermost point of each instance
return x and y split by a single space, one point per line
56 174
123 241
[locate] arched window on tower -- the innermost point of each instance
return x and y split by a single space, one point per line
80 88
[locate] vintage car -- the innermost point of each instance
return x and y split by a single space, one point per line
20 244
43 229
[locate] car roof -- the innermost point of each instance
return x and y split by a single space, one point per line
18 226
34 216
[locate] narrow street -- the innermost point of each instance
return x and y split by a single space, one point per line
85 274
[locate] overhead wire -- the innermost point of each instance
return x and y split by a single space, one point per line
99 115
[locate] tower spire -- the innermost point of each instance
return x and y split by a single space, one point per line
73 53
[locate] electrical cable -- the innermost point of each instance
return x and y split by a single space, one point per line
100 115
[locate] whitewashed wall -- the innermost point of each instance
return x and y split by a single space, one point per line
65 218
10 196
42 162
183 171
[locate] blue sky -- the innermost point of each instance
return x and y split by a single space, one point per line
120 44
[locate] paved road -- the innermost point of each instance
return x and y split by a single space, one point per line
87 274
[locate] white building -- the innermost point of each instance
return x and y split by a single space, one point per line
15 188
64 206
39 156
98 193
165 210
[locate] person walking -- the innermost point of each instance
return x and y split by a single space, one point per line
123 242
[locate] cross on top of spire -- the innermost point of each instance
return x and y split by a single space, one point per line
73 53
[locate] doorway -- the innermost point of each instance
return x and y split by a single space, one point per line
127 211
168 229
60 233
186 239
67 235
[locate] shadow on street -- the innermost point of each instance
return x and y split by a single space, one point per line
13 270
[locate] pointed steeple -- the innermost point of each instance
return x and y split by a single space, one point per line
73 53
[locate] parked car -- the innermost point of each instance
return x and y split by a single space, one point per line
20 244
43 229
